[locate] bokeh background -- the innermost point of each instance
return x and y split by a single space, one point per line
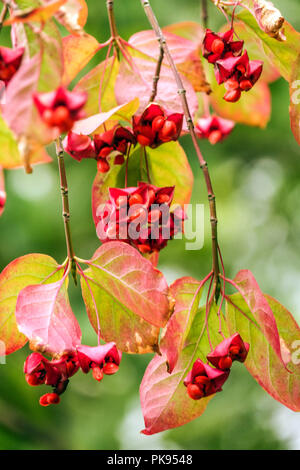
256 175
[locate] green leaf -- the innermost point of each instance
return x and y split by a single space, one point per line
283 54
9 156
168 166
28 270
128 295
262 362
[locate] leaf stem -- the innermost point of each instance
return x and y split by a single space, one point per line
204 13
65 206
203 165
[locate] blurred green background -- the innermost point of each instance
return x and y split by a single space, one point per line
256 175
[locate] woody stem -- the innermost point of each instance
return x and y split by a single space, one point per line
157 74
65 205
204 13
113 26
203 165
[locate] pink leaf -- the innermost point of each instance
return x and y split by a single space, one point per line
130 84
259 308
2 192
17 110
44 315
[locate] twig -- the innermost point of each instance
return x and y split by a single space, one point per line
203 165
157 75
204 13
65 206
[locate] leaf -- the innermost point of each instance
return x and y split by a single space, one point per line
9 157
47 44
77 52
186 293
137 82
253 109
295 102
29 269
92 124
2 192
18 107
284 54
41 14
164 399
73 15
44 315
187 29
100 82
168 166
131 297
262 362
259 308
184 53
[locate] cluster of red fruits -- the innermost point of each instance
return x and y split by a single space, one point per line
204 380
102 359
140 216
232 66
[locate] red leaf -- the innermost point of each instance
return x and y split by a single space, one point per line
44 315
2 192
259 308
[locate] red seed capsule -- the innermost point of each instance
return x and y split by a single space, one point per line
215 137
102 166
232 96
163 199
194 392
97 373
225 363
144 248
158 123
246 85
105 151
135 199
60 115
33 380
143 141
217 46
168 131
110 368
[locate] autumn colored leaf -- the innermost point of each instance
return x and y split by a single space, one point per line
283 54
99 84
164 399
168 166
77 52
138 82
24 271
295 101
44 315
93 124
187 29
129 281
41 14
186 293
2 192
259 308
184 53
262 361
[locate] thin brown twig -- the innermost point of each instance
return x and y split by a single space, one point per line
65 205
203 165
157 74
